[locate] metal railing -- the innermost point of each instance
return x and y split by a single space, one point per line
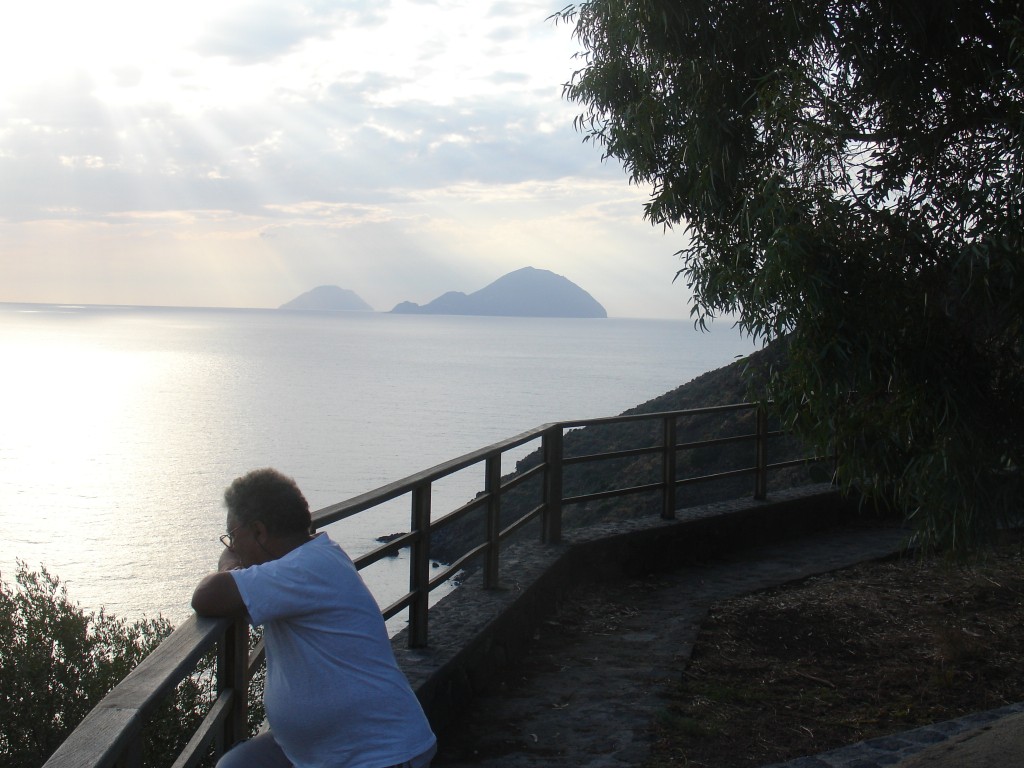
112 733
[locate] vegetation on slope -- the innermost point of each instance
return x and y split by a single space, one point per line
729 385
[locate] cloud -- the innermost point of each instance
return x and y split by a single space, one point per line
423 145
512 9
127 76
340 147
264 30
506 78
505 34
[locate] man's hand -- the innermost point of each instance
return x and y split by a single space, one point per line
228 561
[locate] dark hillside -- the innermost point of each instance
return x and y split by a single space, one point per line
723 386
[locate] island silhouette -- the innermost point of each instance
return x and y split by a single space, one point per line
526 292
328 298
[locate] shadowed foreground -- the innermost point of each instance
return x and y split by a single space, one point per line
589 698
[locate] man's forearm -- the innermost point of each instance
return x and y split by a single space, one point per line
217 594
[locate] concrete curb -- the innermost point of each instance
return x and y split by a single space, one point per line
930 745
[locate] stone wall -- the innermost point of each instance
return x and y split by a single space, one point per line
473 631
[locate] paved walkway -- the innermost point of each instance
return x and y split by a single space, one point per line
587 698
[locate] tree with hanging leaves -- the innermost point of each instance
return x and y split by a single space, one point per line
846 178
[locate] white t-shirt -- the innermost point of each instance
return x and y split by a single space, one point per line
335 696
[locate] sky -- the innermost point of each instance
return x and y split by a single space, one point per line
236 153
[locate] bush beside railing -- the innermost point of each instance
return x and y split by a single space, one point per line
111 735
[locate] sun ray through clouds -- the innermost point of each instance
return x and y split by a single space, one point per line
226 153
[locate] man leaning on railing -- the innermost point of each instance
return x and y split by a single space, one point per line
334 694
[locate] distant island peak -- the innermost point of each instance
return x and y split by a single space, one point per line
526 292
328 298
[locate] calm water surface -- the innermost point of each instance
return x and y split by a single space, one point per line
121 427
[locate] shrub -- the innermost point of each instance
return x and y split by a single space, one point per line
59 661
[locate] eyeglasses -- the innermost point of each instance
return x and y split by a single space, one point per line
228 539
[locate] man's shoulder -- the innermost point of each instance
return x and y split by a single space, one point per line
322 549
323 541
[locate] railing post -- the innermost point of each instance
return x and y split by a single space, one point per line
419 566
668 467
492 486
551 523
233 674
761 475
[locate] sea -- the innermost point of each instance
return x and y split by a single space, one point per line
121 426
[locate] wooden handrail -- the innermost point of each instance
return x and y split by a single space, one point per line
111 734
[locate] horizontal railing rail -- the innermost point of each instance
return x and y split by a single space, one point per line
112 733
